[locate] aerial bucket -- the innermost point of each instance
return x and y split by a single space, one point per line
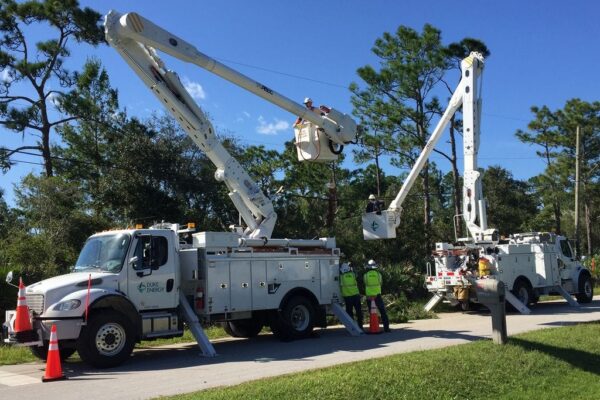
312 144
380 225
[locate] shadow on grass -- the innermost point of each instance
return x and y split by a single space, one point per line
582 360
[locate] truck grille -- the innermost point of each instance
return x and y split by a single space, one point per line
35 302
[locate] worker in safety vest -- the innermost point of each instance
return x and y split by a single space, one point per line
373 281
350 293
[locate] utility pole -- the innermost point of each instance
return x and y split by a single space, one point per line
577 192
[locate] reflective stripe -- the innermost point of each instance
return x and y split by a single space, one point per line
21 299
53 339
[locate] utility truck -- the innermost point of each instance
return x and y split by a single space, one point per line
134 284
529 264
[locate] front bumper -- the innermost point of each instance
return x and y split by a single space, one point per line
67 329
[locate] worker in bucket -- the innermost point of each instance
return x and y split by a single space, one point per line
308 103
350 293
374 205
373 281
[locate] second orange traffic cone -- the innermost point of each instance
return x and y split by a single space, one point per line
23 329
373 318
53 367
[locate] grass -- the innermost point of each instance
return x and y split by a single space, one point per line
550 364
10 355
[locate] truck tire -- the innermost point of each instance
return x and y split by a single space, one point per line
244 328
522 291
107 340
296 319
41 352
586 289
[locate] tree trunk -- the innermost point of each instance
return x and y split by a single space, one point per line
46 151
377 177
588 228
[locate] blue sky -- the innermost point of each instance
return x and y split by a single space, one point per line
543 53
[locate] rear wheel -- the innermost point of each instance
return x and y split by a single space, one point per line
107 340
586 289
296 319
522 291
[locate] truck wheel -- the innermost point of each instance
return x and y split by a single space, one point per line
245 328
41 352
522 291
107 340
296 320
586 289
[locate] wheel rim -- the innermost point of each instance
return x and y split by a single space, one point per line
110 339
300 317
587 288
523 295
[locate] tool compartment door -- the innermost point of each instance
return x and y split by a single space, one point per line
217 286
241 285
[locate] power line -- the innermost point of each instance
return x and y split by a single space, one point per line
304 78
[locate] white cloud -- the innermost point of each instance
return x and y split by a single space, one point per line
5 75
194 88
54 98
271 128
246 113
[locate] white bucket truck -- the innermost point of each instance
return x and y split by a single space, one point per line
144 283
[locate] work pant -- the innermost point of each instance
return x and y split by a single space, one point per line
353 303
381 308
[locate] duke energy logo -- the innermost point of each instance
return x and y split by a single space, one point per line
150 287
374 225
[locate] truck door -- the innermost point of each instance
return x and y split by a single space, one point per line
151 271
566 260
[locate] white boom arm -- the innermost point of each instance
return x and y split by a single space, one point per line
134 38
339 128
383 226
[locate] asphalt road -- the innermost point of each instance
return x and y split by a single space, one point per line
180 369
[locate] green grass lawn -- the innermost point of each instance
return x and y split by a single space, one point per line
560 363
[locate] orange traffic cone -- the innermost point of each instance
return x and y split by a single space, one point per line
373 318
23 330
53 368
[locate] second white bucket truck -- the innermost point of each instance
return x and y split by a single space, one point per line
529 264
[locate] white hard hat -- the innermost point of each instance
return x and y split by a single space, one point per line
307 100
345 267
372 197
371 264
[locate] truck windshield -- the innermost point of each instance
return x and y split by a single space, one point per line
105 253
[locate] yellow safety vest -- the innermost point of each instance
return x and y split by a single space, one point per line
348 284
373 281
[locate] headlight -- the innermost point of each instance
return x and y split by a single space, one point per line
67 305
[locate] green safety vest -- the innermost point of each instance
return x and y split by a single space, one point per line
348 284
373 281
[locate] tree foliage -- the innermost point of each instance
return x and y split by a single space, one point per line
33 73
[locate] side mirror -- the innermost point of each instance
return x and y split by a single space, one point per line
9 278
133 260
